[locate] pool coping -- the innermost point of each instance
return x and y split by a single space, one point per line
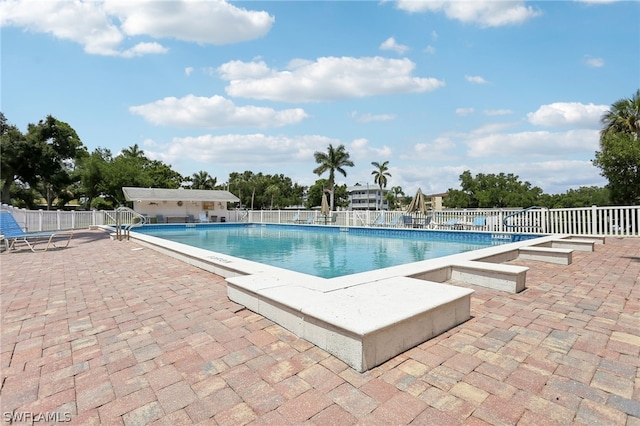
339 314
230 266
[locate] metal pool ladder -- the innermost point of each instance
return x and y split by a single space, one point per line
126 219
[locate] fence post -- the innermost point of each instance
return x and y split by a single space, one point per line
594 219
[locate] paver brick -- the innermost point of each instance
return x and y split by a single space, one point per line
123 345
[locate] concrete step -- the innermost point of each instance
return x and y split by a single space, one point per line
560 256
496 276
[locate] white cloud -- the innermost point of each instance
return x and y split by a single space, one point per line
392 44
248 150
475 79
214 22
101 27
594 62
430 50
558 176
367 118
188 71
142 49
562 114
359 149
214 112
327 78
485 13
464 111
497 112
533 144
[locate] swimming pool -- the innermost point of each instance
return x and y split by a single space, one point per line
327 251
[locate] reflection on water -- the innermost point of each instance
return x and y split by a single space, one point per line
317 252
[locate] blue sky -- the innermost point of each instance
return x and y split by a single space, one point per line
434 87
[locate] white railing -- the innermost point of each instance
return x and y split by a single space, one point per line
593 220
614 220
58 220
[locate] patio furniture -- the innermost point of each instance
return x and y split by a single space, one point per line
13 234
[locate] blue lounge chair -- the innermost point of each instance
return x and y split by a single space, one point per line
478 223
426 223
295 218
326 219
407 221
160 218
450 224
395 221
13 234
379 221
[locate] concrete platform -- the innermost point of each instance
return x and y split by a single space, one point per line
363 325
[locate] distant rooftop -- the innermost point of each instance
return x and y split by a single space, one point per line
154 194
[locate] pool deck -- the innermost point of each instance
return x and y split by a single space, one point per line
111 332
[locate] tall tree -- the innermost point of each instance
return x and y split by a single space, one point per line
492 191
623 117
133 151
619 162
91 170
380 175
14 152
203 180
619 155
335 159
394 194
315 192
43 159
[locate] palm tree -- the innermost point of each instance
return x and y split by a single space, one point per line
133 151
396 192
335 159
623 117
203 180
380 176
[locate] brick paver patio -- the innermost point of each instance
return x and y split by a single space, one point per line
107 332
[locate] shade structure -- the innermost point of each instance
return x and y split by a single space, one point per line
418 204
324 208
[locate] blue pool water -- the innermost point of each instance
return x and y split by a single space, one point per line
326 251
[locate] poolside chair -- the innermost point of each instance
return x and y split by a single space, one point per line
395 221
478 223
190 218
309 219
450 224
295 218
407 221
13 234
426 223
379 221
159 218
203 218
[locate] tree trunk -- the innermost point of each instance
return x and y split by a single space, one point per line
6 191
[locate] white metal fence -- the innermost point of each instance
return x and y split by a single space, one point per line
616 220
